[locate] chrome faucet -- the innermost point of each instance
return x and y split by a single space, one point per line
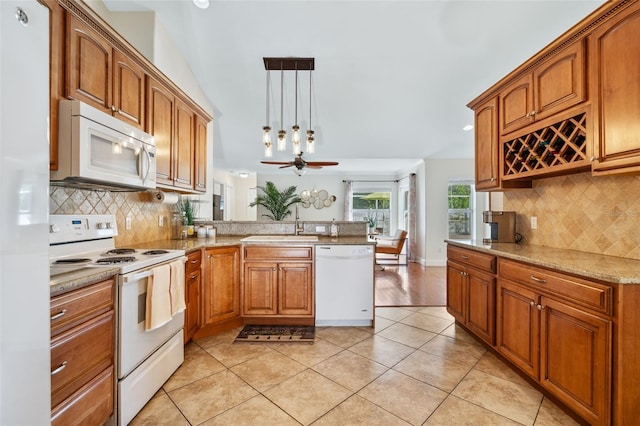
299 227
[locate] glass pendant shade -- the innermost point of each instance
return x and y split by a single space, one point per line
282 140
268 150
311 146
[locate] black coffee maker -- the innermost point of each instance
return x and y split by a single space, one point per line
503 227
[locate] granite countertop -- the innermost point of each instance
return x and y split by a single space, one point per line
611 269
80 278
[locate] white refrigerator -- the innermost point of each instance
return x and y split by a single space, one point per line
25 375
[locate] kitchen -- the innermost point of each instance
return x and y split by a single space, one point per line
618 214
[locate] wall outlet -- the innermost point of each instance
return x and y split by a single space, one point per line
160 221
534 222
127 223
321 228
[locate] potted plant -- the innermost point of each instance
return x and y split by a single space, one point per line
372 220
187 207
275 201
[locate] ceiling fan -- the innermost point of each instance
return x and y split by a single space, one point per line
300 163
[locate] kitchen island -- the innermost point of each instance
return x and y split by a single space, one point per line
565 319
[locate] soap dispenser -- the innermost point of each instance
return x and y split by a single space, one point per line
334 228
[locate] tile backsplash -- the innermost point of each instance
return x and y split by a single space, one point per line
581 212
139 206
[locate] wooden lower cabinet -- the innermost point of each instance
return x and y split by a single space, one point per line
221 284
566 348
278 283
82 355
193 290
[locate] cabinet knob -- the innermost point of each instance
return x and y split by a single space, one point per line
540 307
113 108
532 303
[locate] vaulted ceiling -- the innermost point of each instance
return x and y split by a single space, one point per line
392 78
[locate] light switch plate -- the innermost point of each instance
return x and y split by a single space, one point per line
127 223
534 222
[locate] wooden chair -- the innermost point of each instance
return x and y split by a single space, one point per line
393 245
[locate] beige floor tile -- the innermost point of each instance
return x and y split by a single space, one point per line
432 369
224 337
382 323
551 415
208 397
159 411
267 370
427 322
307 396
309 355
491 364
518 403
403 396
358 411
382 350
393 314
231 354
456 332
407 335
455 411
342 336
197 365
350 370
437 311
459 351
257 411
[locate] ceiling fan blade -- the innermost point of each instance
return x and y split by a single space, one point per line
312 166
277 163
284 167
322 163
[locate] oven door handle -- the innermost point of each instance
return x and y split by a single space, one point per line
146 274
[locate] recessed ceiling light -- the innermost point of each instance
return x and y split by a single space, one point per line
243 175
202 4
467 127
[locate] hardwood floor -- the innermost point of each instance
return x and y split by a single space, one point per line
411 285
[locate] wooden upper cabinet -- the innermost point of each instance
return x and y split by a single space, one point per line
201 155
101 76
160 106
486 147
614 60
553 86
184 140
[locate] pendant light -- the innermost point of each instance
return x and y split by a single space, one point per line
282 134
311 146
266 135
295 136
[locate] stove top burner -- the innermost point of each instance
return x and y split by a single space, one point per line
116 260
121 251
71 261
153 252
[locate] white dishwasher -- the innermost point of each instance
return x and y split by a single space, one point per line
344 285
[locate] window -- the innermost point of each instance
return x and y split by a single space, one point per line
375 207
460 211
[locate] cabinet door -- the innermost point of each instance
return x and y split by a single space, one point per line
160 107
184 145
518 325
456 292
260 288
192 294
481 308
559 82
614 64
201 155
575 350
516 104
295 292
128 90
487 146
222 285
89 62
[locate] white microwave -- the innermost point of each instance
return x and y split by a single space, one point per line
99 151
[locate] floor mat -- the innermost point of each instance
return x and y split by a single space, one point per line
277 334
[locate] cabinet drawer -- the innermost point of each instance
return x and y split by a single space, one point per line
270 252
71 309
80 354
483 261
575 290
91 405
194 260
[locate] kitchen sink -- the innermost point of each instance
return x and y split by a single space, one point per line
280 238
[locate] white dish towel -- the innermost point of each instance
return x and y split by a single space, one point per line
176 289
158 311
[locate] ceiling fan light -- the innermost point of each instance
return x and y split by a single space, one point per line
202 4
299 172
282 140
268 150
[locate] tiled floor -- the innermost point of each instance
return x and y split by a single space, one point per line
415 368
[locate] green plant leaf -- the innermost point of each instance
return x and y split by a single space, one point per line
275 201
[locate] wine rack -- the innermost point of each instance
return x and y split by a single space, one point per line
562 145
